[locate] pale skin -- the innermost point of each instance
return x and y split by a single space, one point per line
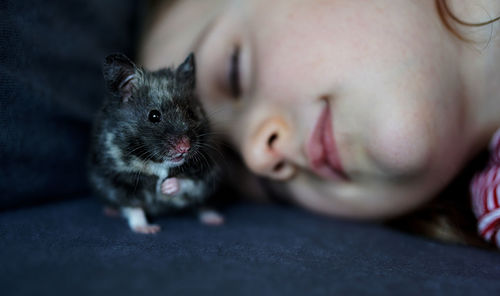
410 103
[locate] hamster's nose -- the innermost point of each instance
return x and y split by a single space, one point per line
264 150
183 145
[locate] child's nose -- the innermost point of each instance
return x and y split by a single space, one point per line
263 152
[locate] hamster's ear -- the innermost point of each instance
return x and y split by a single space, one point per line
187 71
120 74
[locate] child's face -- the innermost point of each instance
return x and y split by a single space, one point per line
270 72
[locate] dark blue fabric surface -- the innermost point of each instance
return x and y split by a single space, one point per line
70 248
50 86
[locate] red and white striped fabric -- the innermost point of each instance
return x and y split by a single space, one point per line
485 194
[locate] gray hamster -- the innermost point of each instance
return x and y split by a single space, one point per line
152 150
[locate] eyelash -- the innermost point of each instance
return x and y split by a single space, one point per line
234 73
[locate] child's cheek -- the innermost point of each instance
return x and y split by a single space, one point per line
400 142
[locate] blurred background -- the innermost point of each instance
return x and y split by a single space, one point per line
50 87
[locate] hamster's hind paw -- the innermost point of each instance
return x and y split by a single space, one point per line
138 222
146 229
210 217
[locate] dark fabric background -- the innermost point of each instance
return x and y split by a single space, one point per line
50 86
70 248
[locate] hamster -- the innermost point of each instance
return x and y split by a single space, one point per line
152 150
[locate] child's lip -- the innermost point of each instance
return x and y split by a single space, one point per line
322 151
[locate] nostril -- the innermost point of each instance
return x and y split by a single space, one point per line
272 139
279 166
283 171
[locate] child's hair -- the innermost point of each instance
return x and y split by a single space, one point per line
450 20
449 217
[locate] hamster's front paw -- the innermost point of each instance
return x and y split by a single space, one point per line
170 186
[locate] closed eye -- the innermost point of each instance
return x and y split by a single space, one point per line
234 73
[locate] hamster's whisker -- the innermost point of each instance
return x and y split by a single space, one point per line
137 177
196 158
203 157
141 170
223 144
156 155
208 158
208 146
210 134
135 149
218 160
144 154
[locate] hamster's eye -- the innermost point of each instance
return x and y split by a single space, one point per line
154 116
